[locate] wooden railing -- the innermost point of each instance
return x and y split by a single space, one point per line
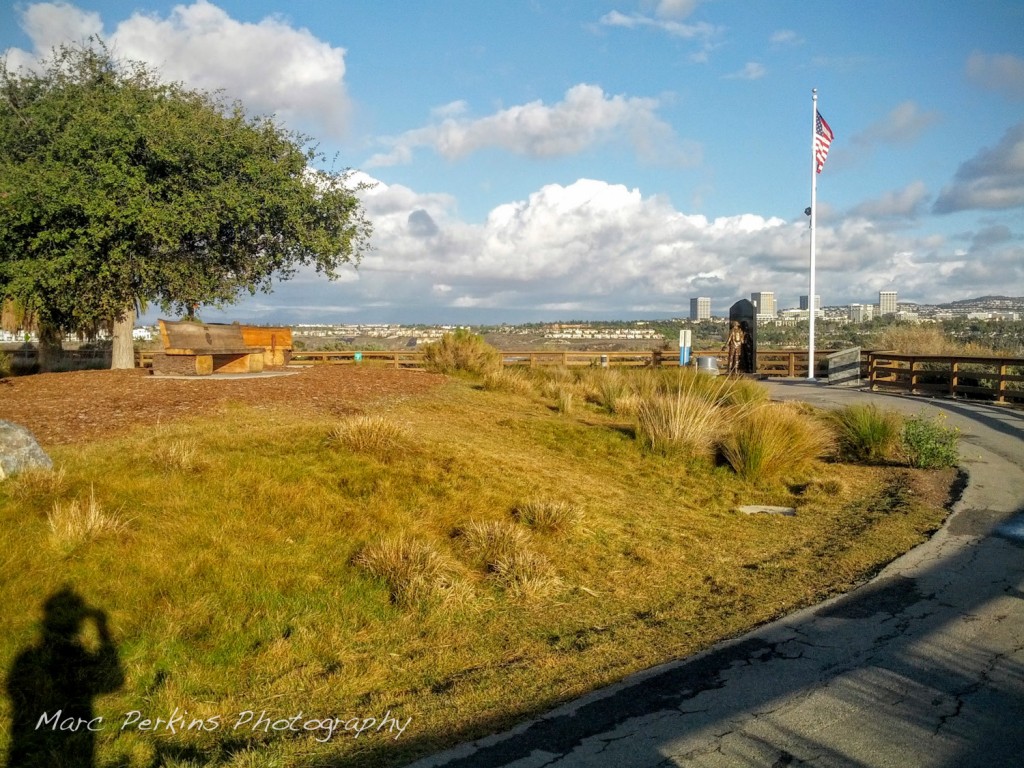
989 378
1000 379
773 363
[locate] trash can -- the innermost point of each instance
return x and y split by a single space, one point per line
708 365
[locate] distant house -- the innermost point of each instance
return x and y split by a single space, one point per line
142 334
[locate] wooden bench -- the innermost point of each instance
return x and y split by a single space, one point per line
200 349
276 342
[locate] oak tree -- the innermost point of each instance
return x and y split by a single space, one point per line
119 189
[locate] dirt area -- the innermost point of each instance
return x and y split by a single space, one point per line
65 408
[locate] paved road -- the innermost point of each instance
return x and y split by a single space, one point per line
924 666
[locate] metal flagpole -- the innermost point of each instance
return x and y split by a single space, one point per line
814 213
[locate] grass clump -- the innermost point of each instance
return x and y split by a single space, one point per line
930 444
491 541
182 455
866 432
688 419
509 380
462 352
565 400
772 442
375 435
548 516
415 573
526 575
75 522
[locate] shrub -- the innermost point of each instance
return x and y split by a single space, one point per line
5 365
461 352
773 441
929 444
548 516
866 432
413 571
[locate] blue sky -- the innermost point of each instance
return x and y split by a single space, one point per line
542 160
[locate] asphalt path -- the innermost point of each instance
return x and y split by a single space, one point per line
922 666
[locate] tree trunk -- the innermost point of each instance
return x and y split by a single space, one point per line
123 352
51 347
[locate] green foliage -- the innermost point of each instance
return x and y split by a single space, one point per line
119 188
5 365
866 432
462 352
929 444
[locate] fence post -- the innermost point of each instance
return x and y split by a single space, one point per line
1003 370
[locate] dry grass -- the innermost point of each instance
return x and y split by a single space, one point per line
181 455
295 574
375 435
912 339
549 516
491 541
773 442
526 575
566 399
415 573
33 483
511 380
687 421
75 522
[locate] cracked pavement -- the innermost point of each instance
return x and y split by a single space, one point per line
922 666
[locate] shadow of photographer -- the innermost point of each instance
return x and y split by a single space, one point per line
52 685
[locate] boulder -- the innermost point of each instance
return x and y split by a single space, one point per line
19 451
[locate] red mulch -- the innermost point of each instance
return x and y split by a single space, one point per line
64 408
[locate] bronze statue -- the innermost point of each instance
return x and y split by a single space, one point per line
736 343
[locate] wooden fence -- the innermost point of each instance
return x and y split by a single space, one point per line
773 363
988 378
999 379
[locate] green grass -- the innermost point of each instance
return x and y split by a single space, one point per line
493 559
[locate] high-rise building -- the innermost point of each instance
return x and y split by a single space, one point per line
764 303
861 313
804 305
886 303
700 308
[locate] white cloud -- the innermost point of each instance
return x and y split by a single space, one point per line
701 32
784 38
903 125
585 118
752 71
597 249
270 66
906 203
675 9
991 180
997 72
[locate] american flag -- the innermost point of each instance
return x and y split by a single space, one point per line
822 139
